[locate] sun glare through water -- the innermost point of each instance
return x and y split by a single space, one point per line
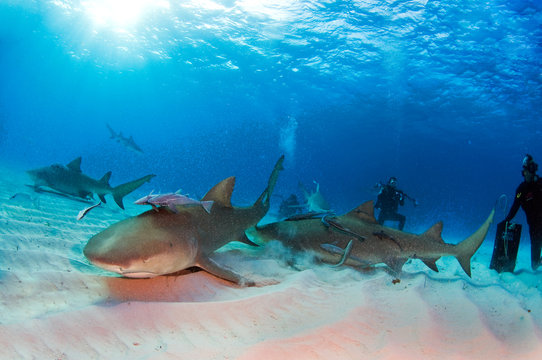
121 13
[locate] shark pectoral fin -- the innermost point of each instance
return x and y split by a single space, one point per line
245 239
84 194
431 264
214 268
102 198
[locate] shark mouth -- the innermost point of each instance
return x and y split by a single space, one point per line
129 273
138 274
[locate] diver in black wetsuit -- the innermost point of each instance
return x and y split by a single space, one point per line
388 202
529 196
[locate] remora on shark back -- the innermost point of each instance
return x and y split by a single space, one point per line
356 239
70 180
159 242
171 200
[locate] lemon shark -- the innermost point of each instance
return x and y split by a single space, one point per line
70 180
356 239
161 241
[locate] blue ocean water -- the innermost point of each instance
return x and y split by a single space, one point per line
444 95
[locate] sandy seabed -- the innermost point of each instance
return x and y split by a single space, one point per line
54 305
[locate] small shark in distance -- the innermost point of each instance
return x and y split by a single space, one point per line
356 239
160 242
128 143
70 180
314 201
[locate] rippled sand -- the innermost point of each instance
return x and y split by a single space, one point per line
56 306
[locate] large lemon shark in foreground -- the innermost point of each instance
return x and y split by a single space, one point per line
356 239
159 242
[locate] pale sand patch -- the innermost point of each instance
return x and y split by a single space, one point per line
56 306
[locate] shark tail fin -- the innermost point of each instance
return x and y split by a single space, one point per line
104 181
466 249
263 200
113 134
121 191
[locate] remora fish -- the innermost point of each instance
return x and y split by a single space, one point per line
172 200
85 211
128 143
162 242
371 244
70 180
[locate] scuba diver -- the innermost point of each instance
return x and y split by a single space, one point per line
388 202
529 197
289 206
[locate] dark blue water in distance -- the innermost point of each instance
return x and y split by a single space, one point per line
444 95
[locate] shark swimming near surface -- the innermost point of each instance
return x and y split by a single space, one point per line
70 180
127 142
160 242
356 239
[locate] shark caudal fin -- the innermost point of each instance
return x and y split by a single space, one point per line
113 133
263 200
466 249
121 191
105 182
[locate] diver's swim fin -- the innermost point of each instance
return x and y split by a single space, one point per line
505 250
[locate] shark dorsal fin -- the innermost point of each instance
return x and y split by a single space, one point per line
435 232
221 192
365 212
75 165
105 178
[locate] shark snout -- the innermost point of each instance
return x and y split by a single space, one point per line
137 247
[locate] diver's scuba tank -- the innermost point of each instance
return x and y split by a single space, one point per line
505 250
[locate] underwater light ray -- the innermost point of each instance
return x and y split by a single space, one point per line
120 13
